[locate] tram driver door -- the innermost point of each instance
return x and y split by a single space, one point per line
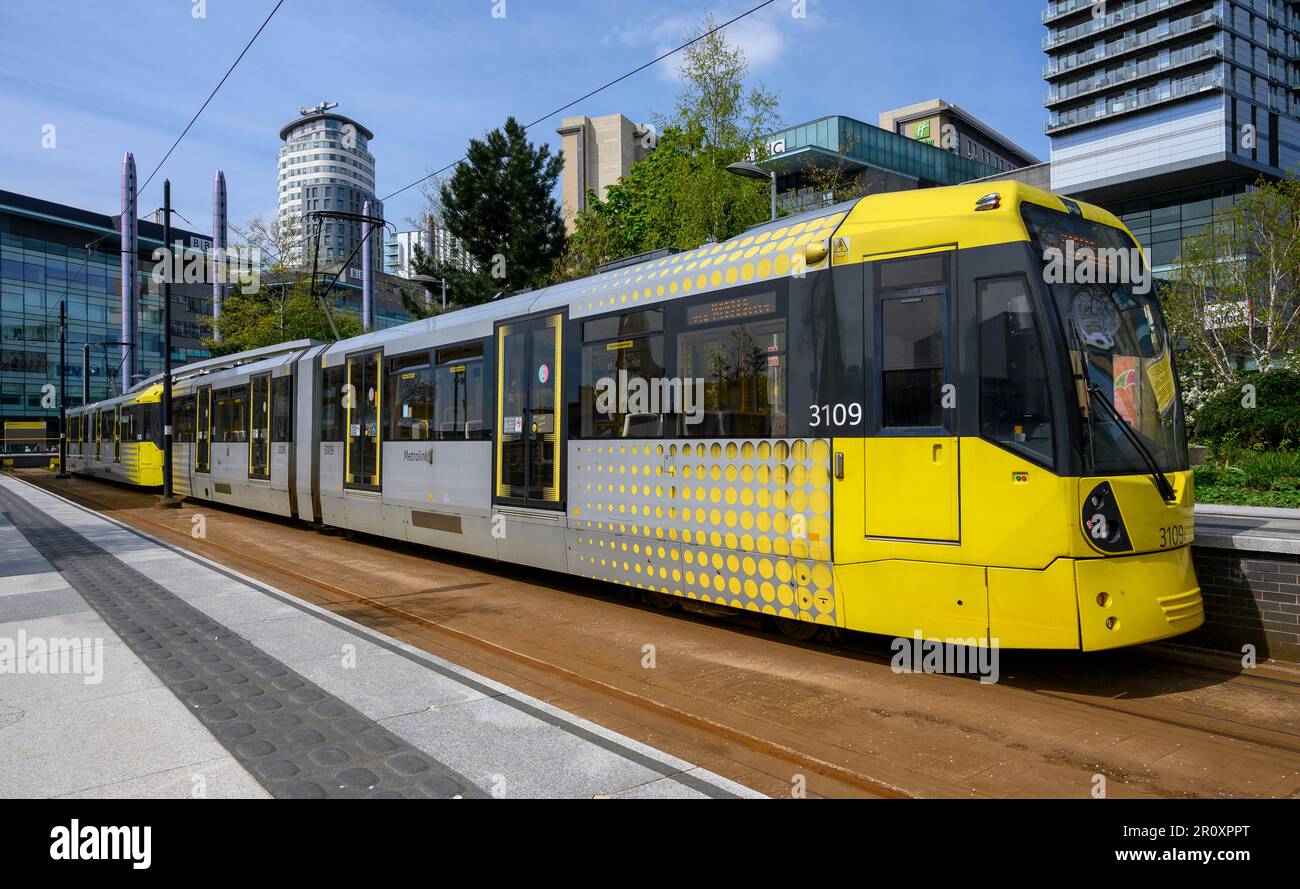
529 449
911 458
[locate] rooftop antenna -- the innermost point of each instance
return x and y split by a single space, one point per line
318 109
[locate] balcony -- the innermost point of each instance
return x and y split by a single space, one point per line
1138 101
1095 26
1064 7
1154 36
1210 49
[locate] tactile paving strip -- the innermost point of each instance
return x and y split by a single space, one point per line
296 739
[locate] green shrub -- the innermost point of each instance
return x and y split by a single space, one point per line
1225 423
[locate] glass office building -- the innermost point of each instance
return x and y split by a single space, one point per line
49 252
1163 111
881 160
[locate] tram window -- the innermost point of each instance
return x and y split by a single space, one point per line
629 324
144 422
333 380
282 409
458 393
917 271
912 361
183 419
230 409
622 393
410 400
743 369
1015 404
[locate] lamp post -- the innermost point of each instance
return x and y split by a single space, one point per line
430 279
167 501
754 171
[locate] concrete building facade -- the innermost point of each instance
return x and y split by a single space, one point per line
951 127
598 151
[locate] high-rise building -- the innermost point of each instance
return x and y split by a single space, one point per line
1164 110
435 241
598 151
325 165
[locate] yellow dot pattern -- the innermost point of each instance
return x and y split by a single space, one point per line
739 522
773 251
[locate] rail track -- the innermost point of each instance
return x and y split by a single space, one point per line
839 767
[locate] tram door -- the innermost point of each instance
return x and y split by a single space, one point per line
203 429
529 455
363 398
911 450
97 427
259 439
117 433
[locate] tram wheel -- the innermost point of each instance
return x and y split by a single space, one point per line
662 601
798 630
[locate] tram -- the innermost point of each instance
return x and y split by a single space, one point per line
893 415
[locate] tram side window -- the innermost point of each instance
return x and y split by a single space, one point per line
410 398
1015 402
230 407
743 367
458 393
333 380
183 419
282 409
622 393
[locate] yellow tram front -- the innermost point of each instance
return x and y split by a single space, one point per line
1023 473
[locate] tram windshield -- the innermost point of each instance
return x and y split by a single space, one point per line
1105 300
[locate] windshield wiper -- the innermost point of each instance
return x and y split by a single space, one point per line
1157 477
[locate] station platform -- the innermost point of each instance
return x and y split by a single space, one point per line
1248 528
130 668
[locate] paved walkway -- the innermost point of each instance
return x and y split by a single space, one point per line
129 668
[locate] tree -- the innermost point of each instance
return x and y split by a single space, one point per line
838 180
283 307
499 204
1233 295
278 312
681 195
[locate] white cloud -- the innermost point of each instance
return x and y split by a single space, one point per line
762 35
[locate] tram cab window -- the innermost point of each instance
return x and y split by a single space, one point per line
410 398
230 410
458 393
282 409
1015 402
143 423
621 393
742 365
333 379
183 419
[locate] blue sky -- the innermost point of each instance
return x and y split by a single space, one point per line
426 75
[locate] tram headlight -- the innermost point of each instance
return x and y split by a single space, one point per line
1102 522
